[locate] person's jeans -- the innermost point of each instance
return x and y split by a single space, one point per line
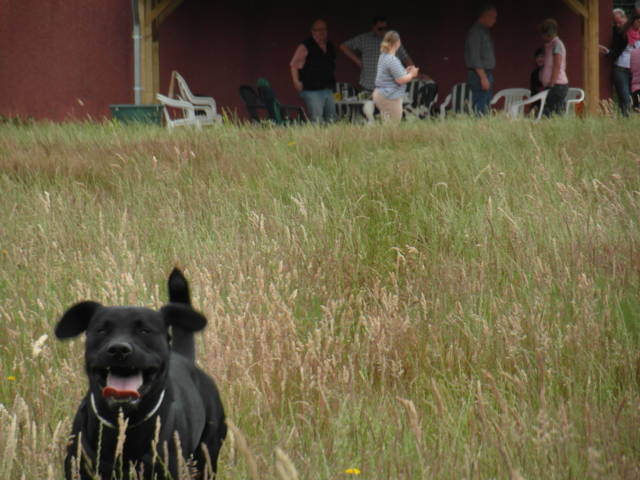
480 99
556 103
622 84
321 105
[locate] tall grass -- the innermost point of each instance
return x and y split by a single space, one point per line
439 300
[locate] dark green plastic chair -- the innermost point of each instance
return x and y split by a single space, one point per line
278 112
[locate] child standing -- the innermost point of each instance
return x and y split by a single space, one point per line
535 85
553 74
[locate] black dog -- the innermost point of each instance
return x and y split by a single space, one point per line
140 374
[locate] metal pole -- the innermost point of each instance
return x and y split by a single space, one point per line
137 38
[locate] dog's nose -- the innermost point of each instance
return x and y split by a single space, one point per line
121 350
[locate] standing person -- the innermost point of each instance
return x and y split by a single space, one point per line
364 51
622 68
554 71
313 69
635 78
622 72
618 44
480 59
632 30
391 79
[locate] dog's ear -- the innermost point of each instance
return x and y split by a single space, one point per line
183 316
178 288
76 319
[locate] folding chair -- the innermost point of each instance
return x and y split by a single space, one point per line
510 96
459 99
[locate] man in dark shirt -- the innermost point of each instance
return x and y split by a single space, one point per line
364 51
480 59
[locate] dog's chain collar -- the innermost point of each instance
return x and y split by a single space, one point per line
108 424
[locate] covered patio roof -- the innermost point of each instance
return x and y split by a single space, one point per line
153 12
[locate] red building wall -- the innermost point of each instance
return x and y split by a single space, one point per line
64 59
69 59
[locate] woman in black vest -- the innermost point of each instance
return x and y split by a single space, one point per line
313 69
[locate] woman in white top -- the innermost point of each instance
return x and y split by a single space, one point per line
391 79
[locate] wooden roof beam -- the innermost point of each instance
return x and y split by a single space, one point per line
577 6
163 9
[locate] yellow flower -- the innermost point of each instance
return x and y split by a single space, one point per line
352 471
11 378
291 144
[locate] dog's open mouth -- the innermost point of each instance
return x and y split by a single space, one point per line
124 384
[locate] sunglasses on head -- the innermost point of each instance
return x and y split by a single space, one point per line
382 29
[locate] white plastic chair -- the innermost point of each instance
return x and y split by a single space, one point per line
205 106
415 103
517 108
187 109
459 98
368 108
347 92
511 96
574 96
410 91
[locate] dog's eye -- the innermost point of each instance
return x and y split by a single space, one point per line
102 330
144 331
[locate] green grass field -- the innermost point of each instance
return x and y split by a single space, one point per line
455 300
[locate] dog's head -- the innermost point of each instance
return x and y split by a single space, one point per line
127 348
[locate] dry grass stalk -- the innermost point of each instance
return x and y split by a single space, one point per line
414 421
243 448
284 466
438 397
11 442
123 423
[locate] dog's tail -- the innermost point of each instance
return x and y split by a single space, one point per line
183 341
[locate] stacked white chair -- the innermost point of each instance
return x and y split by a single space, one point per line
188 112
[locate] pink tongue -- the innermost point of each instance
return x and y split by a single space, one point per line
123 386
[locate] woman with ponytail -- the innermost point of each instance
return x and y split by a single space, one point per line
391 79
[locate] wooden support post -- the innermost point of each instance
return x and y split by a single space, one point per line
592 57
588 10
152 13
155 55
146 53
